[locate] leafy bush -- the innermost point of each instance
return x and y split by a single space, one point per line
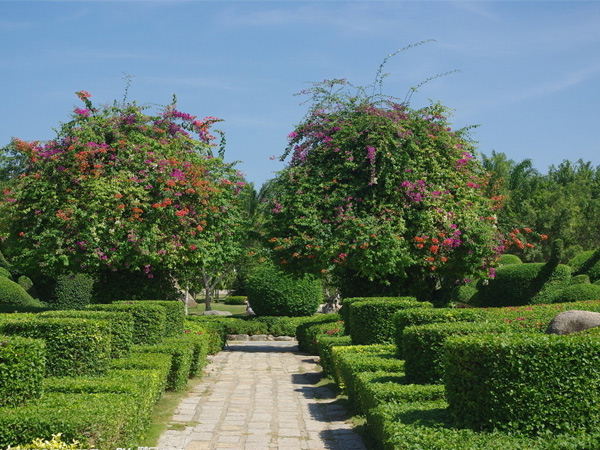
347 302
181 352
372 321
580 279
576 293
13 294
423 347
22 368
55 443
463 294
73 291
100 421
531 383
507 259
284 325
26 283
236 325
306 334
158 362
273 293
235 300
74 346
148 320
522 284
216 331
422 316
5 273
325 344
120 324
200 342
587 263
174 314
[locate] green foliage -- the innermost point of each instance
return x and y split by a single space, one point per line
174 310
143 385
26 283
181 351
372 321
522 284
381 192
284 326
463 294
580 279
348 362
13 294
576 293
200 343
121 327
74 346
532 383
273 293
587 263
158 362
148 320
423 347
422 316
99 421
22 368
307 331
214 328
55 443
235 300
347 303
325 342
72 291
121 190
5 273
236 325
507 259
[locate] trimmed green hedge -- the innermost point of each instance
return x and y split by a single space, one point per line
148 320
347 302
588 263
283 325
200 342
372 321
307 331
235 300
174 313
5 273
74 346
423 347
522 284
120 324
72 291
160 362
99 421
22 369
532 383
423 316
181 352
348 362
576 293
216 331
325 344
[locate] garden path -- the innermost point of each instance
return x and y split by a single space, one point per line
261 395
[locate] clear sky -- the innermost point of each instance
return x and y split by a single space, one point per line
529 70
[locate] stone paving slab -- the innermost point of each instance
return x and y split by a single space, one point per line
261 395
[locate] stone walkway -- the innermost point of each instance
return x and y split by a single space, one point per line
261 395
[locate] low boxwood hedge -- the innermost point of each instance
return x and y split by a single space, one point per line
423 316
120 323
526 382
325 344
423 347
347 302
174 313
160 362
306 335
372 321
214 328
148 320
181 352
22 369
97 421
74 346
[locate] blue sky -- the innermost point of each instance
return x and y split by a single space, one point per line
529 70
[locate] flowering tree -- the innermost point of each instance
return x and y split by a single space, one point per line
120 191
376 191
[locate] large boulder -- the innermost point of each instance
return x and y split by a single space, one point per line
568 322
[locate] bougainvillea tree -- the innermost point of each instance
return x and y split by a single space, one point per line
375 191
123 192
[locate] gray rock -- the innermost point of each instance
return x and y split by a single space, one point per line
284 338
217 313
568 322
238 337
258 337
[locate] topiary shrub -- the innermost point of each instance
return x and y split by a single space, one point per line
576 293
580 279
72 291
5 273
13 294
530 383
507 259
372 321
26 283
522 284
182 353
586 263
158 362
274 293
174 310
74 346
22 369
235 300
306 331
463 294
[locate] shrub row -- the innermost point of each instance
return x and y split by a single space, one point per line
307 331
22 368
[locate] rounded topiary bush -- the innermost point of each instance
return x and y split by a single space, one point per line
577 293
274 293
588 263
507 259
580 279
5 273
13 294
